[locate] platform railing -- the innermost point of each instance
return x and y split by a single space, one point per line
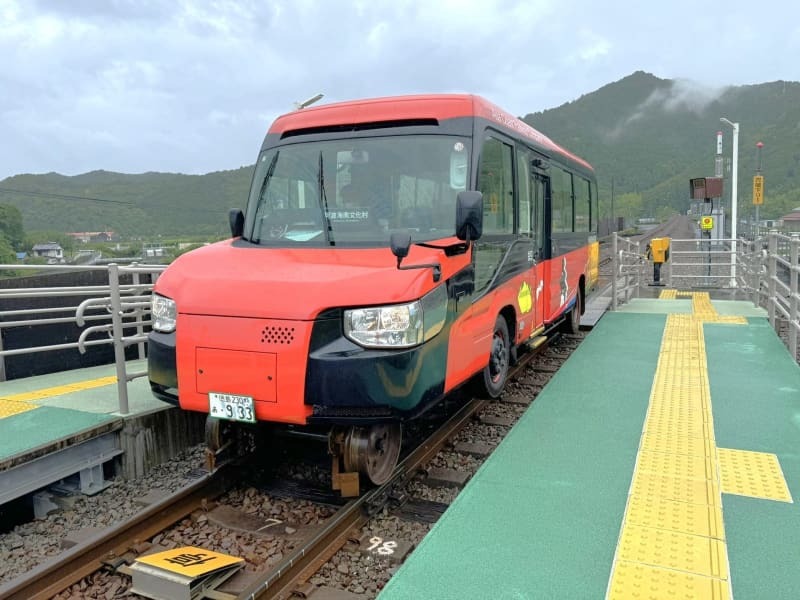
699 262
781 294
120 310
767 273
627 265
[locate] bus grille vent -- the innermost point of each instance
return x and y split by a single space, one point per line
277 335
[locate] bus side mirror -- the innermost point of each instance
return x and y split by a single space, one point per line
236 221
400 242
469 216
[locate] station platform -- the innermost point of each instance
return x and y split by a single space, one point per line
67 423
661 461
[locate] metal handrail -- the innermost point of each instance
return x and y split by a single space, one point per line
762 263
626 266
120 308
768 272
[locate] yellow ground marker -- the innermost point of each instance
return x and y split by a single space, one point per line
12 407
754 474
672 539
61 389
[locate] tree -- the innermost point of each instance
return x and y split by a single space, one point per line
11 226
7 254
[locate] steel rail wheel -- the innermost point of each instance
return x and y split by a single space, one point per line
373 451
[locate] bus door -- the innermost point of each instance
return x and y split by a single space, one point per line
540 191
533 186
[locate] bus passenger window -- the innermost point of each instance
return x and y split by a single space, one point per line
561 195
495 181
524 186
582 206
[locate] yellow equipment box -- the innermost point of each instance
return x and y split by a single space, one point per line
659 247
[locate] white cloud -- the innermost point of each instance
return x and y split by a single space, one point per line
192 86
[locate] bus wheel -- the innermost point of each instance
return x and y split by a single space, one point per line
496 372
572 324
373 451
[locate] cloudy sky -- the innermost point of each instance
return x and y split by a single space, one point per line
191 86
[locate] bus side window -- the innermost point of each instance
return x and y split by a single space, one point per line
495 181
524 186
582 205
561 199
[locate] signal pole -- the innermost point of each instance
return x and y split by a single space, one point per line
758 184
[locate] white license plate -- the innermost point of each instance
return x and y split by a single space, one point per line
231 407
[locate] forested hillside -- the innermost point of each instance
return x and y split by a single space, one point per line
149 204
652 135
648 135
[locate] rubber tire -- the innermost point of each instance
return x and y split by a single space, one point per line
572 324
495 373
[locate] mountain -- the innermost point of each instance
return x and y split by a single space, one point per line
652 135
647 135
148 204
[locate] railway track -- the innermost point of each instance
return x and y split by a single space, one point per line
309 555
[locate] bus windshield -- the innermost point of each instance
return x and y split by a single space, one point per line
357 191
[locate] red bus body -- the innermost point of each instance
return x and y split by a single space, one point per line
264 315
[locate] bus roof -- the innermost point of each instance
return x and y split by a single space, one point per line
396 108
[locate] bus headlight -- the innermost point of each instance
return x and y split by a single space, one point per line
398 325
164 314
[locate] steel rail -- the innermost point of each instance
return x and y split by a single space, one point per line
282 581
56 575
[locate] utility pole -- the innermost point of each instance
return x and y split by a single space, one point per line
734 189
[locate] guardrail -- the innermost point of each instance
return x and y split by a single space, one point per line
765 270
120 310
781 294
627 264
768 270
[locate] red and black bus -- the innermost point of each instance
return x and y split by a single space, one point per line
391 250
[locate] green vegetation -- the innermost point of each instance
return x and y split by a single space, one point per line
652 135
647 135
146 205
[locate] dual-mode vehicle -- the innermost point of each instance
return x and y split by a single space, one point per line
391 250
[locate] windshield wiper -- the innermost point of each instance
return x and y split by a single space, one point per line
267 177
323 204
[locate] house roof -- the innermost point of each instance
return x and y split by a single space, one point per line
47 246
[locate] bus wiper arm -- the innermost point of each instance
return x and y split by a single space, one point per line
267 177
323 204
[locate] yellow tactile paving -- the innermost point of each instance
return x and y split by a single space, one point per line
635 580
13 407
61 389
698 519
674 550
681 489
667 295
755 474
677 466
672 540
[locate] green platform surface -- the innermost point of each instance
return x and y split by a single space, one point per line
755 391
60 417
44 425
541 517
